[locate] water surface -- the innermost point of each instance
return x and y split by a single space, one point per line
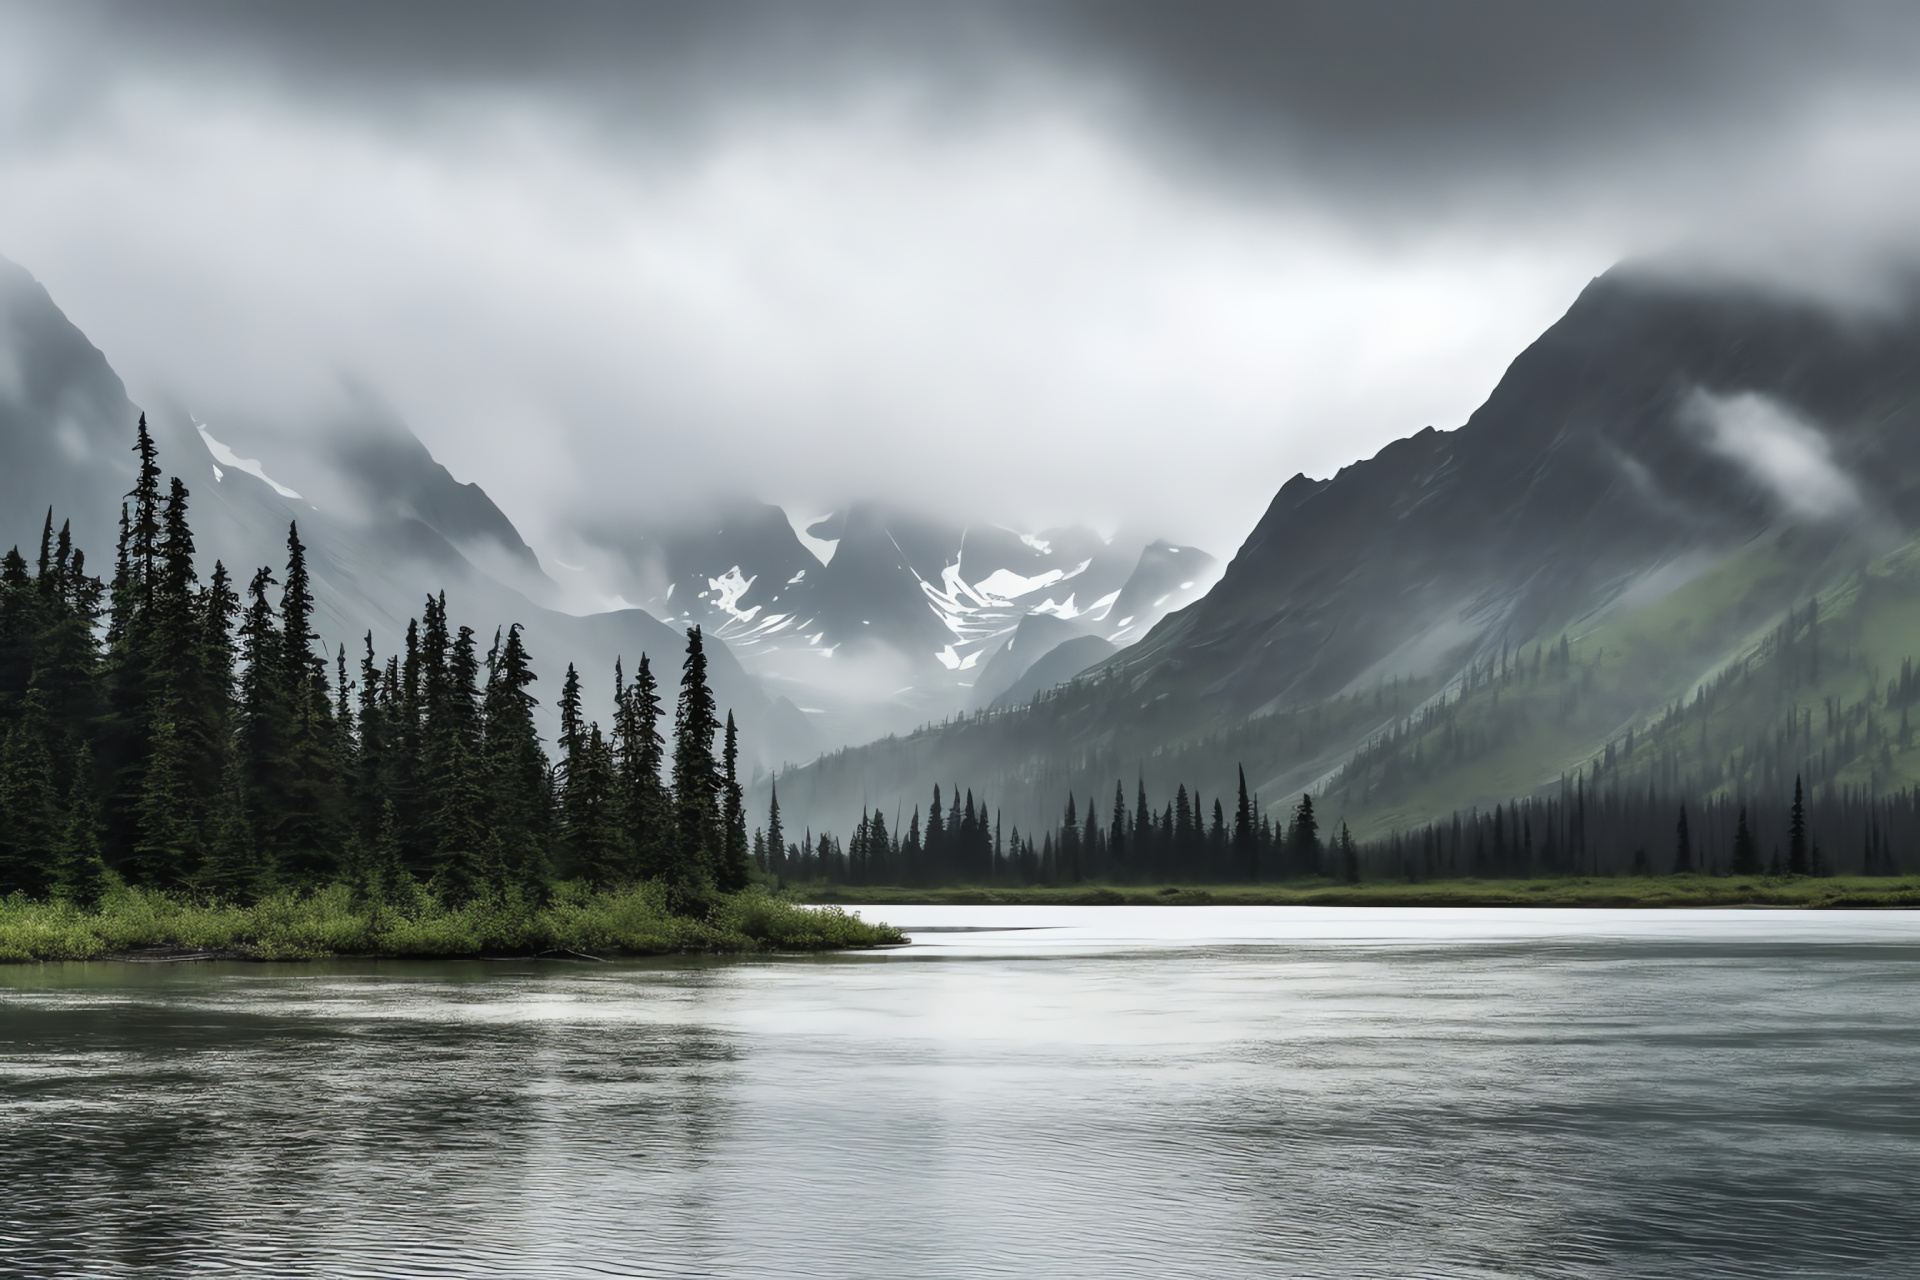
1025 1091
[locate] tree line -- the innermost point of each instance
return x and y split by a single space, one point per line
1587 828
185 735
1130 841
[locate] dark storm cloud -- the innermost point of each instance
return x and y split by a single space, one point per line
957 251
1386 96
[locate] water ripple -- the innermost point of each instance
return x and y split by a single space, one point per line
1703 1098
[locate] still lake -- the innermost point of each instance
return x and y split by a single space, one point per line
1024 1091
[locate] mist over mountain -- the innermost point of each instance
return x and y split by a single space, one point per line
384 528
877 619
880 620
1660 478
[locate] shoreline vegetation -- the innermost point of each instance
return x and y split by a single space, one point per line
336 923
1804 892
185 767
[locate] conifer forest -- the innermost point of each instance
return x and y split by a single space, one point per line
193 737
188 736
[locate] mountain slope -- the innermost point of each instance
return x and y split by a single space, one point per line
1673 462
886 618
375 549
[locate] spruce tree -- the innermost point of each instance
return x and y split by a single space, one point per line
936 839
460 874
29 812
1303 838
145 530
595 840
20 621
696 779
646 812
309 828
394 885
517 777
167 847
457 780
1246 848
81 875
734 875
1683 846
265 718
234 870
776 834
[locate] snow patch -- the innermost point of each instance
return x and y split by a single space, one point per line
249 465
728 588
218 474
1005 584
954 662
1064 610
822 548
1038 544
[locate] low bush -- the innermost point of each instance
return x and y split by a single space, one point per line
332 922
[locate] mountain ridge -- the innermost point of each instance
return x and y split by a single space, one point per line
1622 466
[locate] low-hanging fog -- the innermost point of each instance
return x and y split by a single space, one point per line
1033 263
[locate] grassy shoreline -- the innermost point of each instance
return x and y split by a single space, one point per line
328 923
1836 893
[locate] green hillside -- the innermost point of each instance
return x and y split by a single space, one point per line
1673 550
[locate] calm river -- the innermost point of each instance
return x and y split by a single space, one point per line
1025 1091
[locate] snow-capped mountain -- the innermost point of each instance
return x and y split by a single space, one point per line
866 621
875 619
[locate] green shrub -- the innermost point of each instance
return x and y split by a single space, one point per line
329 922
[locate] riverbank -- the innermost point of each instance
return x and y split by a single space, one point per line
1835 893
132 924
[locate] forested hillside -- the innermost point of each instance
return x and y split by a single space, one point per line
1676 485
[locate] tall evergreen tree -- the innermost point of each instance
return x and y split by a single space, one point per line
80 871
595 839
265 718
776 834
1303 838
518 786
308 831
167 849
234 870
696 777
29 810
1245 847
733 875
647 811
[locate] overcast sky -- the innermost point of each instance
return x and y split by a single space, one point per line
1028 261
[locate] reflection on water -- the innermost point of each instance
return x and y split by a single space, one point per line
1070 1092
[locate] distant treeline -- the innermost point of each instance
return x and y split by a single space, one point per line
963 843
1581 831
185 736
